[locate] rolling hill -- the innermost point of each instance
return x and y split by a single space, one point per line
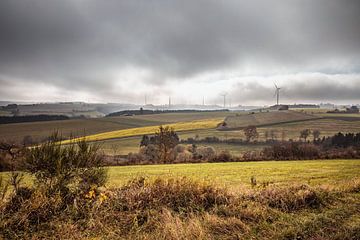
266 119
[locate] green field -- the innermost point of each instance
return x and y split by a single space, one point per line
313 172
238 174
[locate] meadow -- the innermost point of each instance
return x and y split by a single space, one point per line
238 174
313 172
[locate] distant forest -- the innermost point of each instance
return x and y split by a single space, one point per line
146 112
32 118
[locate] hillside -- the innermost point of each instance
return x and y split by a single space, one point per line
266 119
80 127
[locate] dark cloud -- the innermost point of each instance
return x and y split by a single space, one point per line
86 45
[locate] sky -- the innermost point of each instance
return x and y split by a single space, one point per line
122 51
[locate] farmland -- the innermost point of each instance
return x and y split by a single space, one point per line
326 126
266 119
121 135
80 127
180 126
234 174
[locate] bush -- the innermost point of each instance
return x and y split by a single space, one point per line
291 150
292 198
184 157
67 180
223 156
205 153
179 195
57 167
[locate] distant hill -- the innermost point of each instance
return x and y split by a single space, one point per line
265 119
32 118
148 112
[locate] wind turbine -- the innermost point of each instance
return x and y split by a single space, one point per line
277 94
224 96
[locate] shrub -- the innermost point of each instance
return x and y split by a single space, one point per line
179 195
64 176
292 198
184 157
205 153
291 150
57 167
223 156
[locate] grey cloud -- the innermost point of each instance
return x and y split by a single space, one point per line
301 88
80 44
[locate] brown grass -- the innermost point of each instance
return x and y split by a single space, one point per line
184 209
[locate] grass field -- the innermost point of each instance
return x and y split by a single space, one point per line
312 172
237 174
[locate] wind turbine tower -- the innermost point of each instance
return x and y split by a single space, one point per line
277 93
224 96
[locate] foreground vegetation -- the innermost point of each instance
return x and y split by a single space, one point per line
69 198
184 209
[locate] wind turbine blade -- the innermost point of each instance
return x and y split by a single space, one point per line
276 86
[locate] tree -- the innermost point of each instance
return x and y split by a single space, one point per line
305 134
114 149
273 134
283 135
266 135
144 141
316 134
250 133
165 140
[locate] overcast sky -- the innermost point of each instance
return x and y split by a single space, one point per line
120 51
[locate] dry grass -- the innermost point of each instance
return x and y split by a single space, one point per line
184 209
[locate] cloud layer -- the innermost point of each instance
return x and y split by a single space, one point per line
120 50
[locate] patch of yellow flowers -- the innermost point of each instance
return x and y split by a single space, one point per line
94 194
180 126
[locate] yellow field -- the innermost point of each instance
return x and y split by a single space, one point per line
181 126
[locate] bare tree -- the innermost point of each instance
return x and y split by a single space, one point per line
166 140
266 135
305 134
250 133
273 134
283 135
316 134
114 149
